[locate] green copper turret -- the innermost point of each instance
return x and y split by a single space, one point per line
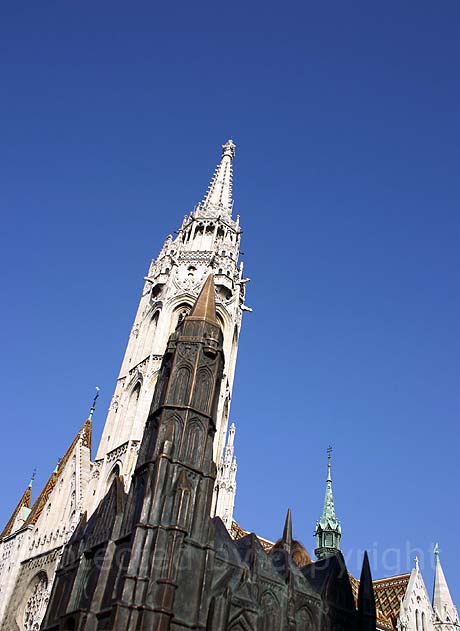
328 530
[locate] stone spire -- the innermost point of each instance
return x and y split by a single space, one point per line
218 197
286 541
225 486
366 598
208 242
328 530
444 609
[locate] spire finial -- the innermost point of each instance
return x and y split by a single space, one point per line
34 473
218 198
443 604
287 532
228 149
329 462
93 405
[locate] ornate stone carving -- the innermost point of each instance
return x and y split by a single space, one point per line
36 602
116 453
196 256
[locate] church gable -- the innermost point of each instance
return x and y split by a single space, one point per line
416 613
57 509
19 515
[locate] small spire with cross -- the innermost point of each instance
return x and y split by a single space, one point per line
329 462
93 405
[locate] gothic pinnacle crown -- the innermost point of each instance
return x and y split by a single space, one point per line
218 197
229 149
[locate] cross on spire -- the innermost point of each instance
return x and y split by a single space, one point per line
328 529
93 405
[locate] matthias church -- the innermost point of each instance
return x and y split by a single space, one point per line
139 533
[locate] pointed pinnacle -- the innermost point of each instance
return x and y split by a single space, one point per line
219 194
366 600
287 532
366 569
205 305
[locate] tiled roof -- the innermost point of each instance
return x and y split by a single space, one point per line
237 532
388 593
23 502
40 502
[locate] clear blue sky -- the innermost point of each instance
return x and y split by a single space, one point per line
346 121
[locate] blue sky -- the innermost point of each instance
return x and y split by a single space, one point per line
346 179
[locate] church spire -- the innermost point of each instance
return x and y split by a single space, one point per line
328 530
205 305
444 609
286 540
218 197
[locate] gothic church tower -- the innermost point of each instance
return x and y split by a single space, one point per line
208 241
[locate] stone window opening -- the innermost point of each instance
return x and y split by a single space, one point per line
37 600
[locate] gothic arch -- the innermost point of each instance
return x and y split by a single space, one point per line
171 430
178 312
150 334
181 500
223 318
114 472
240 622
194 441
35 602
133 402
180 386
203 390
269 619
304 619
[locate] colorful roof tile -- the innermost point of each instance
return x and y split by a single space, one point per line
388 593
85 435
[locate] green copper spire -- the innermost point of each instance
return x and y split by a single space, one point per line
328 530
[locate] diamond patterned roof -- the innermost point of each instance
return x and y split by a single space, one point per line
388 593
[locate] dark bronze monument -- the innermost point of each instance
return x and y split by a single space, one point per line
153 559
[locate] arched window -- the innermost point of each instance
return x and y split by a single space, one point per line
194 443
114 473
132 404
179 314
36 602
179 387
203 390
417 620
270 610
150 335
423 621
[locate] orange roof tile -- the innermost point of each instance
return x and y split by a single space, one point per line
388 593
236 532
42 499
23 502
